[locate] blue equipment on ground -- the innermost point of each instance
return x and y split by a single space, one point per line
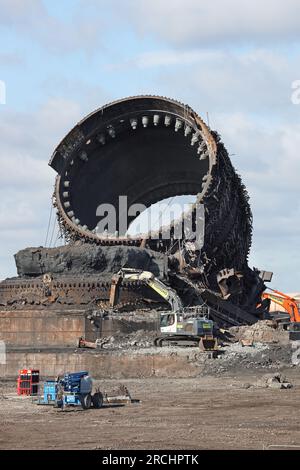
73 389
50 392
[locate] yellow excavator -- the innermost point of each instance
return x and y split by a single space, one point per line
189 325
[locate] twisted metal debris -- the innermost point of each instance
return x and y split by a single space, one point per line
199 165
150 148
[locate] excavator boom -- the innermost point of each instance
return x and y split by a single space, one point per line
285 301
179 329
166 292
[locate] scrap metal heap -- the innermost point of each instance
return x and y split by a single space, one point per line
147 148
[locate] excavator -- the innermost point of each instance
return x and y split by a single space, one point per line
291 306
180 325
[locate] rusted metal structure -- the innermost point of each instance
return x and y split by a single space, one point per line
149 148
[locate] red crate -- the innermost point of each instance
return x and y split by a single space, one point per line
28 382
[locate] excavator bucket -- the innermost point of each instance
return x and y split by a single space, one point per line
208 343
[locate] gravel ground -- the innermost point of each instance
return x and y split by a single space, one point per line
220 412
237 401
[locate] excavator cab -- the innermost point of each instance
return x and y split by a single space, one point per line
176 327
168 321
289 316
179 324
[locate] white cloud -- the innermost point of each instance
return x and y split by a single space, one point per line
37 133
282 257
166 58
26 180
22 171
76 89
267 155
224 80
31 19
197 23
269 163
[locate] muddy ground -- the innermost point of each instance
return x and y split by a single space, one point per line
209 412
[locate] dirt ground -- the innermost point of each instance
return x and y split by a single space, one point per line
223 412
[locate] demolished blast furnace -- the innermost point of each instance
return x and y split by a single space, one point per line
148 148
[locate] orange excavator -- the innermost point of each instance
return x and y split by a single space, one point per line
290 305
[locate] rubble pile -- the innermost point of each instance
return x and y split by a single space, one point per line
137 339
259 356
264 331
278 381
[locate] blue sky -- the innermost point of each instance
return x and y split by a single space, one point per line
62 59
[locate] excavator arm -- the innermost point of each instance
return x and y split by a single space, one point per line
285 301
131 274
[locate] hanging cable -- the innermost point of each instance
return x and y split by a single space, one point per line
52 234
56 239
59 235
49 223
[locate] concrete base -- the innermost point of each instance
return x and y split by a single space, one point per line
47 339
44 327
103 364
62 328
